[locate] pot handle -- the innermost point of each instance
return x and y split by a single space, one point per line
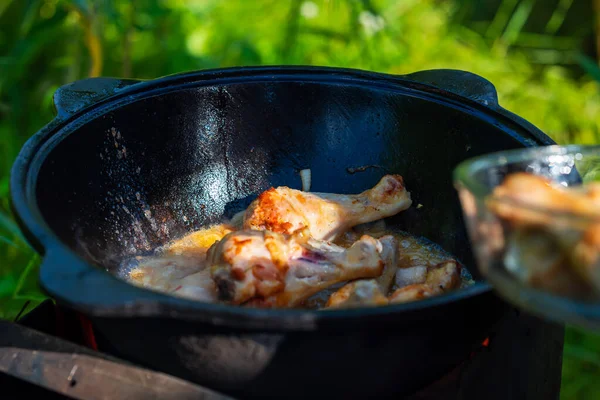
474 87
76 96
462 83
67 278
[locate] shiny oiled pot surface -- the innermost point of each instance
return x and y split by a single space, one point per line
127 166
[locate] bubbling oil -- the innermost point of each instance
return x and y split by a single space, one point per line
189 253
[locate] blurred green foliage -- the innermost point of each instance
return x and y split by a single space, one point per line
541 55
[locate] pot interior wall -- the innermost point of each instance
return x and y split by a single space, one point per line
157 168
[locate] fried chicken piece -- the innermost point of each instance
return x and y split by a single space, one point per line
326 215
360 293
534 255
182 275
369 292
269 269
440 279
554 242
421 271
538 192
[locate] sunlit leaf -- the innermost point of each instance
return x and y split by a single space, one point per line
4 4
25 274
8 225
517 20
10 242
501 18
558 16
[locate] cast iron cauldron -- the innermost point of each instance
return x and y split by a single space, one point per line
127 166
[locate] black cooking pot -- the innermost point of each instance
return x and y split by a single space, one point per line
127 166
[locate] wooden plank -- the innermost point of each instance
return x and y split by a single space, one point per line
78 372
16 335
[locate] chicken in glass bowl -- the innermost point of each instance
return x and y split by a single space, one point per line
533 218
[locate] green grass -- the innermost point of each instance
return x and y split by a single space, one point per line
543 75
581 365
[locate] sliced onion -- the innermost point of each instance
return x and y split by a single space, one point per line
306 177
411 276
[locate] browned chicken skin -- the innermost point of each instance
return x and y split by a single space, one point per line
277 270
541 193
326 215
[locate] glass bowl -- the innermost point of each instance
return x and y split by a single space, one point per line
533 219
